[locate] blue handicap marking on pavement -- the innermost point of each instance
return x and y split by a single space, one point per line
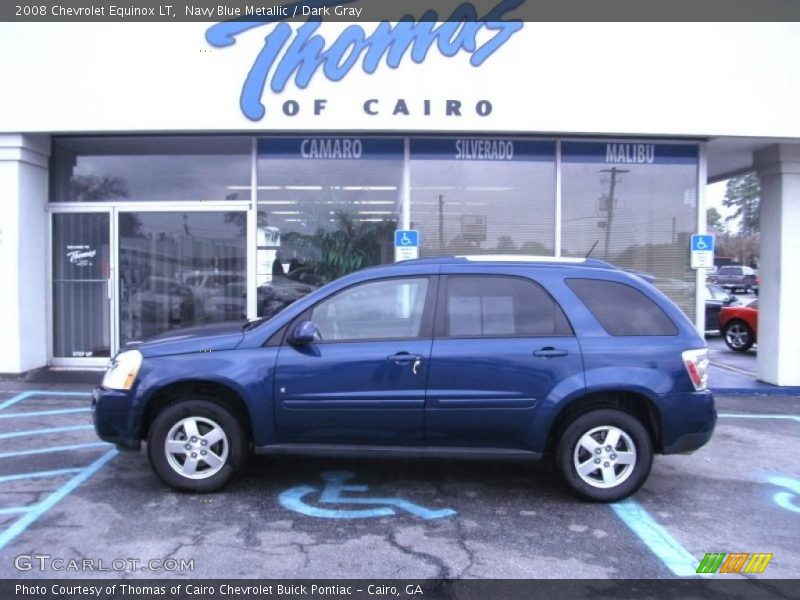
788 500
702 243
333 493
406 238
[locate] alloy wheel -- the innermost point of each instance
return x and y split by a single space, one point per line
196 447
737 335
604 457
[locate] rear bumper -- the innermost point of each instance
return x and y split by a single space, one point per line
113 418
688 421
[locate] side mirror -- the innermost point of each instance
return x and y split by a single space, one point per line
304 333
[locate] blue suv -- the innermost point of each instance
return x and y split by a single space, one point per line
479 356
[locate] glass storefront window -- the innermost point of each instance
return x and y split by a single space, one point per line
178 269
327 206
483 196
150 168
634 205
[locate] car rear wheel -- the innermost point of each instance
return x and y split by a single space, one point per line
196 445
605 455
738 335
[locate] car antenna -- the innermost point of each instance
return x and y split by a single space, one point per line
591 249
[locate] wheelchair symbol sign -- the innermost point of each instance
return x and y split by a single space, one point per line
334 493
406 238
702 243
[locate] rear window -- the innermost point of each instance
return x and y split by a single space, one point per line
621 309
730 271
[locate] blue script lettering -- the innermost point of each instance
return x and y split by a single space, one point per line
302 56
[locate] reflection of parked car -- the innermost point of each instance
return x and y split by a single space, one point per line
306 275
161 299
228 303
739 326
582 362
716 298
279 293
736 278
205 284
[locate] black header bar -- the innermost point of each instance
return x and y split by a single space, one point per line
384 10
402 589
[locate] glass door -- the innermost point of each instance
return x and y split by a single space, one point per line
82 288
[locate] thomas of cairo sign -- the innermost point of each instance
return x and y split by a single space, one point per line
300 54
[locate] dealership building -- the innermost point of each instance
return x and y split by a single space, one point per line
155 176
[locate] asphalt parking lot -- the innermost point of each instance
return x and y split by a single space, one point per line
66 495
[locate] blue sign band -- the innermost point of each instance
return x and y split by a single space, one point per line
482 149
624 153
332 148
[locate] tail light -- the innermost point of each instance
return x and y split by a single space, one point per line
696 362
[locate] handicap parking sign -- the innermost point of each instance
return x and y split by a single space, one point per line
406 244
703 243
702 251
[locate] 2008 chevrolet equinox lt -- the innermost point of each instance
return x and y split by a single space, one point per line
502 356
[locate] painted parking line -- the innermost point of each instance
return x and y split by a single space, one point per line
661 543
733 369
759 416
36 474
669 550
42 507
29 393
31 513
44 431
50 449
44 413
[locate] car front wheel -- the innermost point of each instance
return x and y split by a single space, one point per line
738 336
605 455
196 445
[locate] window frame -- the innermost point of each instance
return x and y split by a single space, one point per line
426 323
440 328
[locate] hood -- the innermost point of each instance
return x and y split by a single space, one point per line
221 336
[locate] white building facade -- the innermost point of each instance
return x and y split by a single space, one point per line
156 176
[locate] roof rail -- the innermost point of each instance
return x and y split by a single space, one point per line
514 258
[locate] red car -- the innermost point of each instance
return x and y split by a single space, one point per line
739 326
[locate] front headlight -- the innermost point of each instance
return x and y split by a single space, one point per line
122 371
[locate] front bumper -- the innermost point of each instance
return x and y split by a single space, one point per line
113 418
688 421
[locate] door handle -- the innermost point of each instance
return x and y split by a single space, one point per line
550 352
403 357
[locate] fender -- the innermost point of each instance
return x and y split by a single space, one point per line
554 406
247 372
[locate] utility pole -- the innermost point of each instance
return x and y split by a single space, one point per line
441 223
611 201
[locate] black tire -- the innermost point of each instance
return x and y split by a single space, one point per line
633 479
205 410
738 336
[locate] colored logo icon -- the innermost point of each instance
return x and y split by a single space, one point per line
734 562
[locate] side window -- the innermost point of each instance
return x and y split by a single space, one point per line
501 306
386 309
621 309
